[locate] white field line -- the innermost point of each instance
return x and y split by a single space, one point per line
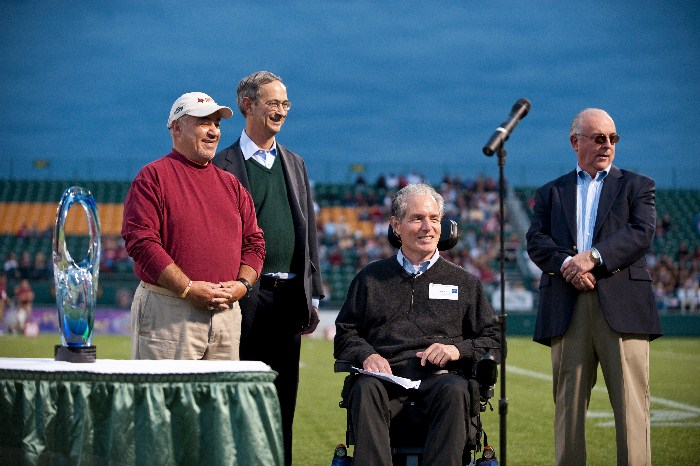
674 356
654 399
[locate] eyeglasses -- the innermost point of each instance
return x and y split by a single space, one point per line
275 104
601 138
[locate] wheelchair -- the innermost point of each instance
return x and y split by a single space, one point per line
408 430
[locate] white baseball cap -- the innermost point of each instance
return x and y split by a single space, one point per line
197 104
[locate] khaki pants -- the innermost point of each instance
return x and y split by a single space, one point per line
624 360
164 326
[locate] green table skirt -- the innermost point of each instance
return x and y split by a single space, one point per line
69 418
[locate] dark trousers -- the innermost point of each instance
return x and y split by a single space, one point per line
273 340
443 398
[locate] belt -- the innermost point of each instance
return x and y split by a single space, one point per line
159 289
270 283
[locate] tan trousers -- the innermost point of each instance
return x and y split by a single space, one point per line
163 326
624 360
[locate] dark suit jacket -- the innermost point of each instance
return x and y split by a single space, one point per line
623 233
303 215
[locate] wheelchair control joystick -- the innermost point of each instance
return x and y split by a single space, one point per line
486 375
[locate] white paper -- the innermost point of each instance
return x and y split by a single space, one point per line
404 382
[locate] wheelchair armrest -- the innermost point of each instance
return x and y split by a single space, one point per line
342 365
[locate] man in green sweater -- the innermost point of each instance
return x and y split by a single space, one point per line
283 304
412 315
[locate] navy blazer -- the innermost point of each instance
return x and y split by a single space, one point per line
623 232
303 215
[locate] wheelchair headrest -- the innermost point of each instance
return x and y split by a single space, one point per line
448 236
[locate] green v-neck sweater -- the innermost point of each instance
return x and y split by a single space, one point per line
269 191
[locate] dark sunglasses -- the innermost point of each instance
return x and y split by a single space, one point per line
601 138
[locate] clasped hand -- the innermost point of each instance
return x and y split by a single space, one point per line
215 296
577 271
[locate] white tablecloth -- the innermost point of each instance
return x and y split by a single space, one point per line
125 366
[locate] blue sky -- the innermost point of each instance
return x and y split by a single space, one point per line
395 86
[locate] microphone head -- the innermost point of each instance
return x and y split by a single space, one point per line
502 133
523 106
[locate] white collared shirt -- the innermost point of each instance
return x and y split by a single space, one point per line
416 269
266 158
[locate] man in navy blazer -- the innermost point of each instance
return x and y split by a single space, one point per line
283 304
590 232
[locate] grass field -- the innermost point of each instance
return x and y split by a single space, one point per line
320 424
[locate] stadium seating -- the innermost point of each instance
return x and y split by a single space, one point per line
28 209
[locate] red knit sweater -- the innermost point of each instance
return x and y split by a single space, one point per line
200 218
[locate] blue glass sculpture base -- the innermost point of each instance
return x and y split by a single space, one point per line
77 354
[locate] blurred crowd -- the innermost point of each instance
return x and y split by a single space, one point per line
472 203
20 302
22 269
676 276
39 267
677 279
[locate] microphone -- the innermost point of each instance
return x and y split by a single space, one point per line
501 134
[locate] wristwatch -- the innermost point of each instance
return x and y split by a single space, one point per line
595 256
248 286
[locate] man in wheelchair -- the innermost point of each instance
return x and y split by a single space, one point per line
416 316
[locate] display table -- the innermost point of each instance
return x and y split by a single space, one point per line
121 412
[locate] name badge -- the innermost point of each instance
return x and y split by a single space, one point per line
437 291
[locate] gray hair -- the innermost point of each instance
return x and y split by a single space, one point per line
250 86
399 205
577 124
184 120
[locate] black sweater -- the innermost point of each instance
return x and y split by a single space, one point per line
389 312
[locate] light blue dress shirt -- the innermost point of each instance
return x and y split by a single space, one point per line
587 198
420 268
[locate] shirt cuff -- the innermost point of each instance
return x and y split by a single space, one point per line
565 261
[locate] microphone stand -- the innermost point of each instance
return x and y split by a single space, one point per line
503 401
497 144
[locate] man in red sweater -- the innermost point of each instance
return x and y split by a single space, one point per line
197 248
